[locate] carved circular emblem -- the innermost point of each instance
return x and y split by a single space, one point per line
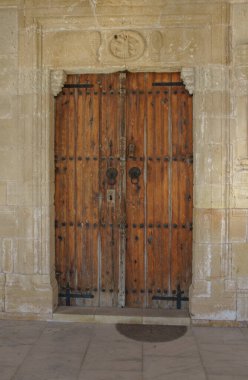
127 45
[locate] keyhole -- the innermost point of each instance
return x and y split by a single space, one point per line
110 197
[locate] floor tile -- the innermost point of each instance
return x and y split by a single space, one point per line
171 367
110 375
120 356
227 360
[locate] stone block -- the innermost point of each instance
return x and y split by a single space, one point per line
212 78
202 261
3 193
242 306
218 196
214 129
218 306
11 166
6 106
240 259
24 258
26 222
210 226
8 222
219 254
242 283
202 166
63 49
239 196
9 33
8 83
201 289
8 62
219 47
2 292
239 148
202 196
216 163
10 133
29 294
209 165
239 22
238 231
241 115
7 253
217 104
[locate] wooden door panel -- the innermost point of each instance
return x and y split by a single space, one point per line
123 236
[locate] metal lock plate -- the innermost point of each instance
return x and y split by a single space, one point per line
111 197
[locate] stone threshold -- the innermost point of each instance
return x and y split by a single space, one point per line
122 315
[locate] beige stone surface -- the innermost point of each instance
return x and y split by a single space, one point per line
28 294
2 292
8 252
240 258
238 226
3 193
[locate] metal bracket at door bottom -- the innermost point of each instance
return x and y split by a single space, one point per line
178 298
68 295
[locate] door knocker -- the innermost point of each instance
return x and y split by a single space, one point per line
111 174
134 174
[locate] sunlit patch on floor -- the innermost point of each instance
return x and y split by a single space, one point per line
151 333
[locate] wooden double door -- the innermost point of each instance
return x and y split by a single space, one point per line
123 189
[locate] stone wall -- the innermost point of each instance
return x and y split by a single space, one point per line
42 41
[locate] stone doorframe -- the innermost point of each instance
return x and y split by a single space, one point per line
212 259
201 82
53 81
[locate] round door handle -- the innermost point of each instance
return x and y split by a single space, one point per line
111 174
134 174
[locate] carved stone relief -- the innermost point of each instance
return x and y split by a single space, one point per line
95 44
188 77
156 44
127 45
58 78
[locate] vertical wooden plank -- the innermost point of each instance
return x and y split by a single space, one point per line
60 189
110 159
90 162
182 189
135 260
122 212
157 189
79 157
71 189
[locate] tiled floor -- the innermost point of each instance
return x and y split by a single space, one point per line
32 350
